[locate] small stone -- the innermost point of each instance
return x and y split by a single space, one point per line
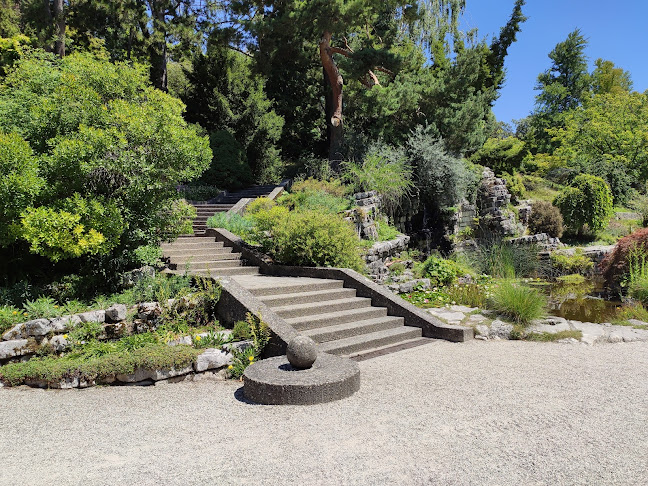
59 344
482 331
93 316
116 313
11 349
211 359
500 330
16 332
149 310
39 327
301 352
62 324
476 318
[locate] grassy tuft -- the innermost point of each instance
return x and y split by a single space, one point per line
549 337
519 303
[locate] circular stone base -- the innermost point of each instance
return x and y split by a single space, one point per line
274 381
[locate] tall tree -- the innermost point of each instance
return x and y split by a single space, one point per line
563 87
607 78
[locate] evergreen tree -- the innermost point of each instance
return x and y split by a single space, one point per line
563 87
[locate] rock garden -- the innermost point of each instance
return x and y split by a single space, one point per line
136 341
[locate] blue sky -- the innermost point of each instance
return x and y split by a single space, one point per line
617 31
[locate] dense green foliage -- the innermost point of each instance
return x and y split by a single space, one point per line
227 99
501 155
90 156
545 218
587 202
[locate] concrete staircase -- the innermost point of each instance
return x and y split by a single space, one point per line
343 324
202 255
224 203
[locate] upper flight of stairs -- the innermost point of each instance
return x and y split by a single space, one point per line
342 324
202 255
224 203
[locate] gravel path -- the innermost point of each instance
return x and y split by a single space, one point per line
476 413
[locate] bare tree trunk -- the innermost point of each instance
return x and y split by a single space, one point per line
59 18
334 85
158 48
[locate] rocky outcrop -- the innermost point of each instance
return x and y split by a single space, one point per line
493 200
379 254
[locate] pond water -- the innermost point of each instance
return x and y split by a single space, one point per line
586 301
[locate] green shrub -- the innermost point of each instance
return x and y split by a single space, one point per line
442 180
545 218
515 184
237 224
631 311
312 238
587 202
9 316
333 187
43 307
501 154
570 264
315 200
442 271
504 260
259 333
638 289
147 255
386 232
108 150
397 268
517 302
260 204
241 330
385 170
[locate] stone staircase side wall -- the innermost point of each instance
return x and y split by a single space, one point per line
236 302
380 296
239 207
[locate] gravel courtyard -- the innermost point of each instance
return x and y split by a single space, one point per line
482 413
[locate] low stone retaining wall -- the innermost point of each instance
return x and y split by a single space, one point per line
381 251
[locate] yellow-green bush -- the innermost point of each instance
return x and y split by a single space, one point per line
311 238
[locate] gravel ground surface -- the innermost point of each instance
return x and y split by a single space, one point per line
478 413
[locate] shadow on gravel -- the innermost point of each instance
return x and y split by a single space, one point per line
238 394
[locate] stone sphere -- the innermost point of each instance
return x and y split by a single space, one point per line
301 352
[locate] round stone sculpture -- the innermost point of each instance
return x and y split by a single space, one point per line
301 352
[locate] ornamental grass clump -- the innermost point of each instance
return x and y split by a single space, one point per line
517 302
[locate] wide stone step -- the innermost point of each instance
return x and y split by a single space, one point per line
224 272
388 349
365 342
202 252
212 263
350 329
208 244
311 286
308 297
212 257
333 318
323 307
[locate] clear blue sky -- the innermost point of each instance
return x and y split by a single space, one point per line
617 31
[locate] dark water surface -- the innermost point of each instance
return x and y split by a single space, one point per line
586 302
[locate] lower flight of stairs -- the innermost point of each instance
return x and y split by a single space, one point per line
332 315
342 324
202 255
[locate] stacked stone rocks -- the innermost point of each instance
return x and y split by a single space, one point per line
364 214
25 339
381 252
492 200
